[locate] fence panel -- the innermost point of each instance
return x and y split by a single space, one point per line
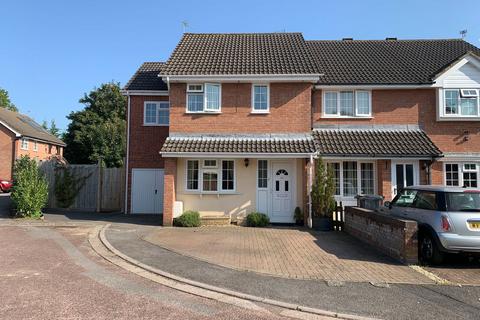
104 185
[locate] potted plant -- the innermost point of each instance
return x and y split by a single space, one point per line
298 215
322 196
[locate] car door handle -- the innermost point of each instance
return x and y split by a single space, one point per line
155 191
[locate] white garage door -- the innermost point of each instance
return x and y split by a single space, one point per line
147 191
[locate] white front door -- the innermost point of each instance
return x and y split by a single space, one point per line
283 178
404 174
147 191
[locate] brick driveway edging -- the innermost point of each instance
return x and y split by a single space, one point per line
100 244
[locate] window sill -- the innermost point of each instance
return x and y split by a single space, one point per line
203 112
155 125
346 117
459 118
259 112
211 193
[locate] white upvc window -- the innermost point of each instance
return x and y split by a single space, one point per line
35 145
156 113
205 97
24 144
461 103
462 174
353 177
212 176
347 103
260 98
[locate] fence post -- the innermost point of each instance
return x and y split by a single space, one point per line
99 185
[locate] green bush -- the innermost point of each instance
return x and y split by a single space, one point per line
257 219
188 219
30 188
67 186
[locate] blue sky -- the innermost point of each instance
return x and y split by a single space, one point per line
51 52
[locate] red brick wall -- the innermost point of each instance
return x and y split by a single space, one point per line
412 106
169 190
7 142
290 105
145 141
44 150
384 179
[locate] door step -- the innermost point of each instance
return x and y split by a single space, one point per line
215 220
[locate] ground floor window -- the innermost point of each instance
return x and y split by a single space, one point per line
206 176
353 177
463 174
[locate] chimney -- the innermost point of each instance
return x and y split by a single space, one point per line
347 39
391 39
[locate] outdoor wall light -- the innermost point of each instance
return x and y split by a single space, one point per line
246 161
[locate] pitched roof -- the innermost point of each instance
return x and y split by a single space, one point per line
146 78
303 144
385 61
26 127
374 143
241 54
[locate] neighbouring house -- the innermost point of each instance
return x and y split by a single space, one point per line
20 135
231 123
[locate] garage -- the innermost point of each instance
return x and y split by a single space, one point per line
147 191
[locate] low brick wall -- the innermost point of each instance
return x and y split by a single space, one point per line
393 236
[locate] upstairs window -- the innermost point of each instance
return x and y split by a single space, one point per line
461 102
24 145
156 113
347 103
203 97
35 146
260 98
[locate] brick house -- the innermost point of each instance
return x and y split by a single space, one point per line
20 135
231 122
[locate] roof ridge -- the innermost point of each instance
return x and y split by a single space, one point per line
384 40
240 33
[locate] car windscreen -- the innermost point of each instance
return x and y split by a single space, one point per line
463 201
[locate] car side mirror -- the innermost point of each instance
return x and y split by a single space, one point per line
387 204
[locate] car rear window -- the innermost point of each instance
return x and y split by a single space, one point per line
463 201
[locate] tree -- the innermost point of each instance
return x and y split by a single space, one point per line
98 131
5 101
54 130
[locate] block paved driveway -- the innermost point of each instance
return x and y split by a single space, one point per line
289 253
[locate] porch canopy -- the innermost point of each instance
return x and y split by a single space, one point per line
381 142
239 145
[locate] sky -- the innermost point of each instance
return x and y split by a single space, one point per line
52 52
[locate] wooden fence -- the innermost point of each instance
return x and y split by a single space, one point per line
103 190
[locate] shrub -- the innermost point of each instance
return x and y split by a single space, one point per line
67 186
30 188
323 190
298 215
257 219
188 219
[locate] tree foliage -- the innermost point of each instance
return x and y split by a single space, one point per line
53 129
323 190
30 188
98 131
5 101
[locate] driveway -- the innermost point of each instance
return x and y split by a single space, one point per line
52 273
286 252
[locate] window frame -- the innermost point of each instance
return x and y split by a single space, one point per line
359 176
460 96
218 170
260 111
203 92
461 171
35 145
24 144
158 105
355 99
258 174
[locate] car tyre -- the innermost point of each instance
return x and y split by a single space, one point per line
429 251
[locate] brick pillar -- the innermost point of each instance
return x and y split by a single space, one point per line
384 178
436 172
169 190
